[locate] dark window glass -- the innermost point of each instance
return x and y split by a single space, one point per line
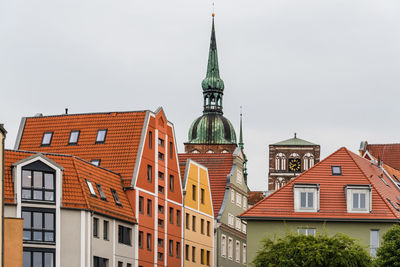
187 252
171 183
171 150
39 225
115 196
128 265
208 257
140 241
101 136
187 221
161 189
101 192
47 137
36 257
161 209
148 241
160 142
208 228
95 227
171 248
160 156
124 235
73 137
202 196
37 185
141 200
149 173
202 226
105 230
202 256
160 242
178 217
193 254
194 192
95 162
171 215
178 250
149 207
194 223
120 264
160 175
160 256
100 262
150 139
160 223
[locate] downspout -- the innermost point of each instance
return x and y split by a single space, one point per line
91 238
2 200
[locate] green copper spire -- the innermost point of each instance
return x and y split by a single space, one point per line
213 85
241 145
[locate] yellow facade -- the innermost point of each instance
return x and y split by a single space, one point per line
198 217
13 242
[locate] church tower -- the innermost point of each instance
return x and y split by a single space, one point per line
212 132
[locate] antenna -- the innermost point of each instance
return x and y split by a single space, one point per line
213 9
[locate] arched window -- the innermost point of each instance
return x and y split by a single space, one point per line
280 162
195 151
279 182
308 160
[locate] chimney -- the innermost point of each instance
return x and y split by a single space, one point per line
66 111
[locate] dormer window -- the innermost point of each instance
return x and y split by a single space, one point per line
95 162
101 136
73 137
47 137
336 170
358 198
160 142
38 185
91 188
306 197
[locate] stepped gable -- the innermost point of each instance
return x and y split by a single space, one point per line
219 166
75 192
355 170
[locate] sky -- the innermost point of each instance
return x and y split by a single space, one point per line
327 70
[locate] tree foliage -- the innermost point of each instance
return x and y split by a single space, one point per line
319 250
389 253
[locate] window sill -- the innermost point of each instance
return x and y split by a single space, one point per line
39 242
38 201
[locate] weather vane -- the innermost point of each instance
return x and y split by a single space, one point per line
213 11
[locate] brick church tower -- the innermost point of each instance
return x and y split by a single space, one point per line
288 159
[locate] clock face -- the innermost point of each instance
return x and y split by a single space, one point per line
294 165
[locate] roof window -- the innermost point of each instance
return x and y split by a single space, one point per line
101 136
116 198
383 180
391 203
47 137
73 137
95 162
336 170
101 192
91 188
397 179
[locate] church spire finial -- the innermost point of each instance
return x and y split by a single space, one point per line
241 144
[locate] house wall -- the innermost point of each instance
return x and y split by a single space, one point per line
257 230
2 137
13 242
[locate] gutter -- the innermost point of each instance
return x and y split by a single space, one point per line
254 218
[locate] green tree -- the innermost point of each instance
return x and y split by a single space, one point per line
310 251
389 253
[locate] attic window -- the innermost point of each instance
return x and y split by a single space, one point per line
46 140
336 170
73 137
101 192
101 136
391 203
116 198
358 198
306 197
91 188
383 180
95 162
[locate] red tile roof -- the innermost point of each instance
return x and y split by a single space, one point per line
219 166
255 196
75 193
118 153
355 170
388 153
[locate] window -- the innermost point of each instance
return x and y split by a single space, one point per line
306 231
194 192
187 221
141 200
245 202
232 196
149 207
101 192
238 224
178 217
160 156
208 258
33 257
95 162
46 140
101 136
171 183
244 256
105 230
306 197
193 254
161 189
194 223
91 188
171 248
38 185
120 264
161 209
393 205
124 235
73 137
223 246
171 150
100 262
358 198
149 173
160 222
178 249
187 252
230 219
208 228
202 256
161 175
140 239
160 242
39 225
237 250
336 170
115 196
202 226
148 241
384 181
374 242
160 142
150 139
202 196
230 248
244 227
160 256
239 177
280 162
128 265
238 199
308 161
171 215
95 227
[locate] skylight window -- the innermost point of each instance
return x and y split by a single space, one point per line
116 198
383 180
391 203
46 140
397 179
73 137
101 192
91 188
336 170
95 162
101 136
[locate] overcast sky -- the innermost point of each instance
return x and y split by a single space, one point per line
328 70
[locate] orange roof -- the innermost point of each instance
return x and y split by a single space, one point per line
255 196
75 192
219 166
388 153
118 153
355 171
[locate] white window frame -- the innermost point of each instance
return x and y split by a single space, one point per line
231 220
238 224
245 202
230 248
244 253
232 195
238 199
306 231
374 247
223 246
306 188
244 227
350 190
239 176
237 251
